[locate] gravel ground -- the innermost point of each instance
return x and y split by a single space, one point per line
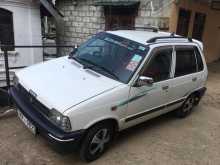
165 140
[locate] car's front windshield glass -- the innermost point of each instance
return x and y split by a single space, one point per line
111 55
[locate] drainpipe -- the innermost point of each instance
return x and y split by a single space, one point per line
151 7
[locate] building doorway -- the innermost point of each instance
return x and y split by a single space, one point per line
120 16
183 22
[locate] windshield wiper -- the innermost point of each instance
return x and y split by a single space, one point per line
109 72
76 59
93 65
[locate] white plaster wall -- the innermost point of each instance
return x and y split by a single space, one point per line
27 31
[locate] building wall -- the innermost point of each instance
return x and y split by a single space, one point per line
27 31
156 16
211 35
82 19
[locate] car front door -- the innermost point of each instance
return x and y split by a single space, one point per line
149 101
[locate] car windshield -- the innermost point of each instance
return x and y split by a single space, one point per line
111 55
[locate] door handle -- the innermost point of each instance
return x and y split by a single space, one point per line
165 87
194 79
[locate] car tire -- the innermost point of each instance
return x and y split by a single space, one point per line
197 100
186 108
96 142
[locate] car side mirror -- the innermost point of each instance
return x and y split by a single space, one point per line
143 81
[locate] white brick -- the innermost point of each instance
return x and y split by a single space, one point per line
74 13
78 30
78 19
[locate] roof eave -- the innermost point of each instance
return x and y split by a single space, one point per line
52 10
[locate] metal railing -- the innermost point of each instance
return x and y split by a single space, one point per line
7 48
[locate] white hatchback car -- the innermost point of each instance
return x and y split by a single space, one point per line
115 80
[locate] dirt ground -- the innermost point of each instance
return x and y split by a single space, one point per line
162 141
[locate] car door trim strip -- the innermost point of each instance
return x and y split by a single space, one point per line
140 95
153 110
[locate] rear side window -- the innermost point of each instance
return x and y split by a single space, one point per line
185 61
199 60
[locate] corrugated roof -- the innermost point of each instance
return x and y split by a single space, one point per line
116 2
51 8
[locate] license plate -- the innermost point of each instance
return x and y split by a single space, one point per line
27 123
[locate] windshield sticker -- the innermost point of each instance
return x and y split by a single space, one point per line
142 48
132 66
134 62
126 45
136 58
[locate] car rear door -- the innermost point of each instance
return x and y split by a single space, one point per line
186 78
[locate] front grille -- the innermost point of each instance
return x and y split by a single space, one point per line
31 99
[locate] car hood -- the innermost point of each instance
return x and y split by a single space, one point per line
63 83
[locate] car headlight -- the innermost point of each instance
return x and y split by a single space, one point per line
15 80
60 120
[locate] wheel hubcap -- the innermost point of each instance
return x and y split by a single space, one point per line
98 142
188 105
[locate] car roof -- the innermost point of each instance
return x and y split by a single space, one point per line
142 36
139 35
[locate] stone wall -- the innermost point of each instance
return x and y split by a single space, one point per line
82 19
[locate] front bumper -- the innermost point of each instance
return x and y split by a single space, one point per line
43 125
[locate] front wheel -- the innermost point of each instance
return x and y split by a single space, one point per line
96 142
187 107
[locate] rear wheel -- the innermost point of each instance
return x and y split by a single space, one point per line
187 107
96 141
197 99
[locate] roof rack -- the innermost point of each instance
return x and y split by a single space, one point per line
152 28
172 36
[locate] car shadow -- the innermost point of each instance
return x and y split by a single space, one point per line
152 124
125 135
142 128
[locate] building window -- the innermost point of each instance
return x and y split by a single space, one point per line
199 26
6 27
120 16
215 4
183 22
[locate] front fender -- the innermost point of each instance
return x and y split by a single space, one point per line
90 124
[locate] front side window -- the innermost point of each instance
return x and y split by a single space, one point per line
185 61
159 67
112 56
